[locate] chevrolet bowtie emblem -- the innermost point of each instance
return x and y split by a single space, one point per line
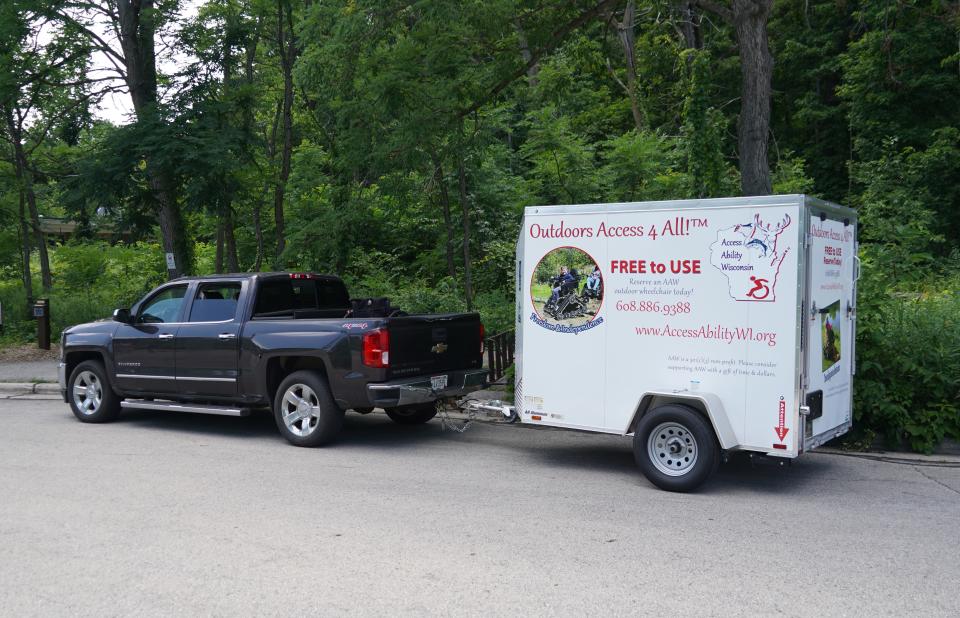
440 348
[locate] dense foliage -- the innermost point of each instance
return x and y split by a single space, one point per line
396 143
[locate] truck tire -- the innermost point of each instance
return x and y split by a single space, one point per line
412 415
675 447
91 397
305 411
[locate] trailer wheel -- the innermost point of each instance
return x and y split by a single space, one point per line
675 447
412 415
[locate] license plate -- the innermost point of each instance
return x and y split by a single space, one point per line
438 382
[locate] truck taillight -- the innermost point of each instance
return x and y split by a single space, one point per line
376 348
483 334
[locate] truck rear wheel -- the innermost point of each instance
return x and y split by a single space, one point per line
305 411
412 415
675 447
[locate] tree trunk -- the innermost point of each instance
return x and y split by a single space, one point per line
25 177
286 45
136 27
749 20
627 38
271 152
756 69
465 221
533 68
226 240
230 241
25 251
218 258
258 234
171 223
690 26
447 218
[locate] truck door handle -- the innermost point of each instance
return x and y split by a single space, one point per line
165 336
226 336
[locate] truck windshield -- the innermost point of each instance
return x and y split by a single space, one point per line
301 298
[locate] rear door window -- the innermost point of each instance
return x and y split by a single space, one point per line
215 302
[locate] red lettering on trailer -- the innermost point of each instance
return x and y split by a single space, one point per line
633 267
780 429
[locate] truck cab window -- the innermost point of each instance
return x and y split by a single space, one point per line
215 302
163 307
307 298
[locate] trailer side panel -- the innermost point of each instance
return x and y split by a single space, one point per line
698 296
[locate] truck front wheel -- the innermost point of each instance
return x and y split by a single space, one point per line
89 393
675 447
305 411
412 415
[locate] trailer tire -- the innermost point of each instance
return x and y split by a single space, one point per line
675 447
305 411
412 415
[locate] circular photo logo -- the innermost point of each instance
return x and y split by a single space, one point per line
567 288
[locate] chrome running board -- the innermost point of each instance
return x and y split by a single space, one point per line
173 406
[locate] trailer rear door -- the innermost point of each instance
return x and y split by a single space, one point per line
830 321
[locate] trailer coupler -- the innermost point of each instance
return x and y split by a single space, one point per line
491 411
490 406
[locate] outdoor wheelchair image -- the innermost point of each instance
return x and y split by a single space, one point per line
567 302
567 287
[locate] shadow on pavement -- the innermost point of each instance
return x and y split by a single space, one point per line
257 425
368 430
762 475
767 475
558 449
377 430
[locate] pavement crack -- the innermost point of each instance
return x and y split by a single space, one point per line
935 480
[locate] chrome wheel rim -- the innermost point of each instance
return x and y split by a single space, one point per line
300 410
87 392
672 449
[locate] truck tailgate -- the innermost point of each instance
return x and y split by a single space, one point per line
433 344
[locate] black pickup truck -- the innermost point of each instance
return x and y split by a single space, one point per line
291 342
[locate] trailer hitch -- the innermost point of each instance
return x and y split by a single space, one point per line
479 410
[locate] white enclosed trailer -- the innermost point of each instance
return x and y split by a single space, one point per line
716 325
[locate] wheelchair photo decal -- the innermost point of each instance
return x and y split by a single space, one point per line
567 290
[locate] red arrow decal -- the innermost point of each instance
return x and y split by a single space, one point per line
780 429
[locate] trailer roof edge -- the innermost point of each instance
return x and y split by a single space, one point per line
719 202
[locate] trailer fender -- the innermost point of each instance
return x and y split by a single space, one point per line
707 404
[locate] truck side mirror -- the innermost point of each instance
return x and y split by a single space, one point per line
121 315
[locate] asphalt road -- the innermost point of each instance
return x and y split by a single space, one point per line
179 514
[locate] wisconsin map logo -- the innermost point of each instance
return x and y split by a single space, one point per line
750 256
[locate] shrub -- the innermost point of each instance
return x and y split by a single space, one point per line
89 281
907 386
